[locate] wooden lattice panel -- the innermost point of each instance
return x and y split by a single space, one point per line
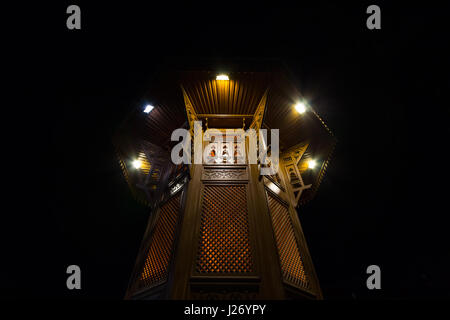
288 250
156 265
224 244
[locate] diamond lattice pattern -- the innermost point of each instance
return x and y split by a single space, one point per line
288 250
224 245
156 265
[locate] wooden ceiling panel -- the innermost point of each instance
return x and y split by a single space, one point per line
239 95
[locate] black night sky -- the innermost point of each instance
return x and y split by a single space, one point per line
384 94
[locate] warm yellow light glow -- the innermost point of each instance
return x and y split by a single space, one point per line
312 164
300 107
222 77
137 164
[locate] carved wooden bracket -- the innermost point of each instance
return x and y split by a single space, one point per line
223 173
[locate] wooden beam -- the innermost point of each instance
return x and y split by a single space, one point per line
221 115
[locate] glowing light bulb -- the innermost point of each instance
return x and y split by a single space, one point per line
148 108
312 164
300 107
137 164
222 77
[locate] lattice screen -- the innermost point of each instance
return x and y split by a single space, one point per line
288 250
156 265
224 244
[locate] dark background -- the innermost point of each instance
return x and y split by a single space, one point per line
382 92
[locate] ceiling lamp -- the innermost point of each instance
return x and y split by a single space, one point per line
222 77
300 107
137 164
148 108
312 164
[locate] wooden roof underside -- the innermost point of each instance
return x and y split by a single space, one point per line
225 104
218 101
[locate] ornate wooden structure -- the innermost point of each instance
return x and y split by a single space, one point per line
220 230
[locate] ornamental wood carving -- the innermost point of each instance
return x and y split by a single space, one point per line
225 174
